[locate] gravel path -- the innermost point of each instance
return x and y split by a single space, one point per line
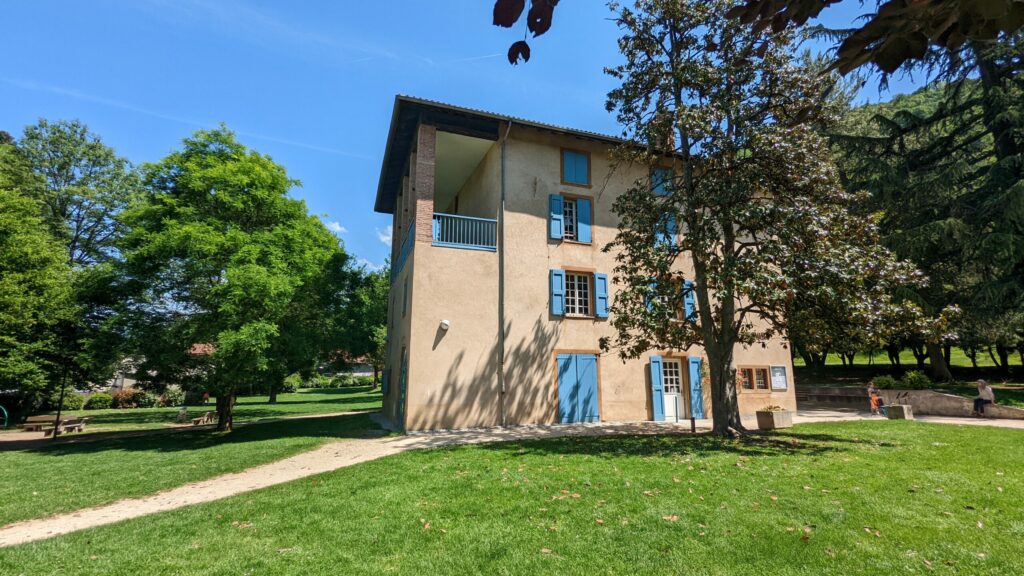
346 453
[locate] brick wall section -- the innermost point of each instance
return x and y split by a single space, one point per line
423 183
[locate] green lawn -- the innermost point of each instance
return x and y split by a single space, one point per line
878 497
248 408
957 358
64 477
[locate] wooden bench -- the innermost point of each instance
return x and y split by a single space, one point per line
38 423
67 425
207 418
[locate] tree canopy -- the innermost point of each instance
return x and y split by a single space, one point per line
727 120
218 255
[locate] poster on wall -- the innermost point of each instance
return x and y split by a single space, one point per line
779 381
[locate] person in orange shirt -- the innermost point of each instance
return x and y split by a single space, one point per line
877 404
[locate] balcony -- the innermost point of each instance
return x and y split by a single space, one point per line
465 232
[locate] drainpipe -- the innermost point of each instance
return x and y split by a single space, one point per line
501 281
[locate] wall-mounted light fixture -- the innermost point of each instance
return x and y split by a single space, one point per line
445 324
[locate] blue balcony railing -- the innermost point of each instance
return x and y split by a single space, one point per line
465 232
403 254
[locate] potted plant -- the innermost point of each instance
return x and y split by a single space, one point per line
772 417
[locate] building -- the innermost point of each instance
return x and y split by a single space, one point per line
500 290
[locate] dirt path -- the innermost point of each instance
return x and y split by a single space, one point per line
346 453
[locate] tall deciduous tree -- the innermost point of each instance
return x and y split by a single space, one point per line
85 186
219 255
752 191
369 317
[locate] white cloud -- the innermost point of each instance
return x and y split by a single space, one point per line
370 265
336 227
385 235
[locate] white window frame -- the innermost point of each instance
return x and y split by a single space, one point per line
579 294
672 376
570 218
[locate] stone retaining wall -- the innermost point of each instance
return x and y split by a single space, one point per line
924 401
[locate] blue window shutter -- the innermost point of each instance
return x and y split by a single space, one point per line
582 169
583 220
567 385
661 181
601 295
575 167
671 229
696 388
689 302
652 289
556 217
657 389
558 292
586 391
666 233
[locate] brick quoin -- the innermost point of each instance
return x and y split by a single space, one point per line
423 183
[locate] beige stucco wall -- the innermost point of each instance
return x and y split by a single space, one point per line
453 379
481 193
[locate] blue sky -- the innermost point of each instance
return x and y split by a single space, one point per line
310 83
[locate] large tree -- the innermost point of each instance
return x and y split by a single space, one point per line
219 254
751 189
369 317
35 299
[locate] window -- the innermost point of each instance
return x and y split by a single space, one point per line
577 294
672 376
661 181
753 378
575 168
569 217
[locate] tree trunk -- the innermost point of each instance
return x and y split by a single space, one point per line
992 356
894 354
940 370
1004 357
972 354
850 358
725 409
947 352
376 378
920 354
273 394
225 411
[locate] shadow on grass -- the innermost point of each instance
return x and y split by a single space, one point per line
334 427
674 445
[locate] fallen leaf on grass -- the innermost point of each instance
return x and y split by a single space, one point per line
672 518
545 550
241 525
830 553
980 525
775 498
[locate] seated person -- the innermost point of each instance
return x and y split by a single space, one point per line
985 396
877 404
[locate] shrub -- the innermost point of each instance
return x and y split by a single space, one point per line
886 382
344 380
916 380
146 399
194 397
72 400
318 381
99 401
123 398
289 384
364 380
172 396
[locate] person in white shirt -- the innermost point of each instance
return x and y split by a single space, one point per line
985 396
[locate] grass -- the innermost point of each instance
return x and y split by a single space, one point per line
957 358
878 497
64 477
304 402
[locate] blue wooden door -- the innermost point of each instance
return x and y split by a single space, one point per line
696 388
577 388
586 377
657 389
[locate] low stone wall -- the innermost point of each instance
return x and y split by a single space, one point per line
942 404
924 402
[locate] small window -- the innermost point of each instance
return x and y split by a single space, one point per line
569 212
672 377
753 378
575 168
661 181
577 294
